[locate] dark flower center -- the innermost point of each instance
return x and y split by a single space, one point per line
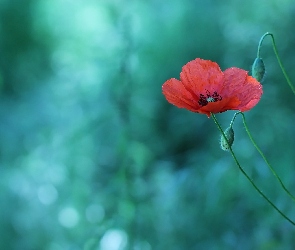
205 99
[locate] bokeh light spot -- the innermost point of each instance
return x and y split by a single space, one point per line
68 217
47 194
113 239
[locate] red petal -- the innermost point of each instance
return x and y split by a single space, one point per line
200 75
220 106
237 84
252 97
178 95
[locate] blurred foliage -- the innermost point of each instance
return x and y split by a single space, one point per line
93 156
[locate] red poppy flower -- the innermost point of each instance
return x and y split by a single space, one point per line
205 89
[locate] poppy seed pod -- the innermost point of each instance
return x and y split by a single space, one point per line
258 69
230 136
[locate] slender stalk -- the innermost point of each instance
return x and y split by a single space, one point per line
247 176
264 158
277 56
232 120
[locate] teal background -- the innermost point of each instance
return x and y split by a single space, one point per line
92 156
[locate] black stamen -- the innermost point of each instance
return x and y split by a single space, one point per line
215 97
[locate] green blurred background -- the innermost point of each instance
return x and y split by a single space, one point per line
93 156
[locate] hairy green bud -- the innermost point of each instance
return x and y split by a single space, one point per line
258 69
230 136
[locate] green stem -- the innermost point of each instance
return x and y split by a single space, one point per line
247 176
232 120
277 56
264 158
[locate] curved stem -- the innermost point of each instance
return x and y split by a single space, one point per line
232 120
277 56
264 158
260 43
247 176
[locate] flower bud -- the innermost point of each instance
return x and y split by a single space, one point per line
258 69
230 136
